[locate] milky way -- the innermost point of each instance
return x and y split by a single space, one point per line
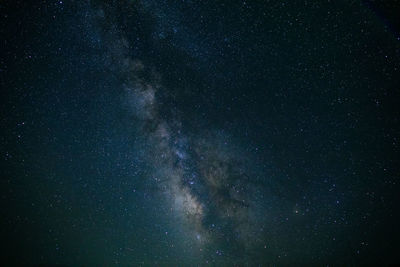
206 179
203 179
186 133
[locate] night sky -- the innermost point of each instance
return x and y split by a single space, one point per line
176 133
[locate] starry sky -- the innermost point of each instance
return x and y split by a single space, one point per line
176 133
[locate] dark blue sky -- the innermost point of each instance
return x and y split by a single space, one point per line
194 132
